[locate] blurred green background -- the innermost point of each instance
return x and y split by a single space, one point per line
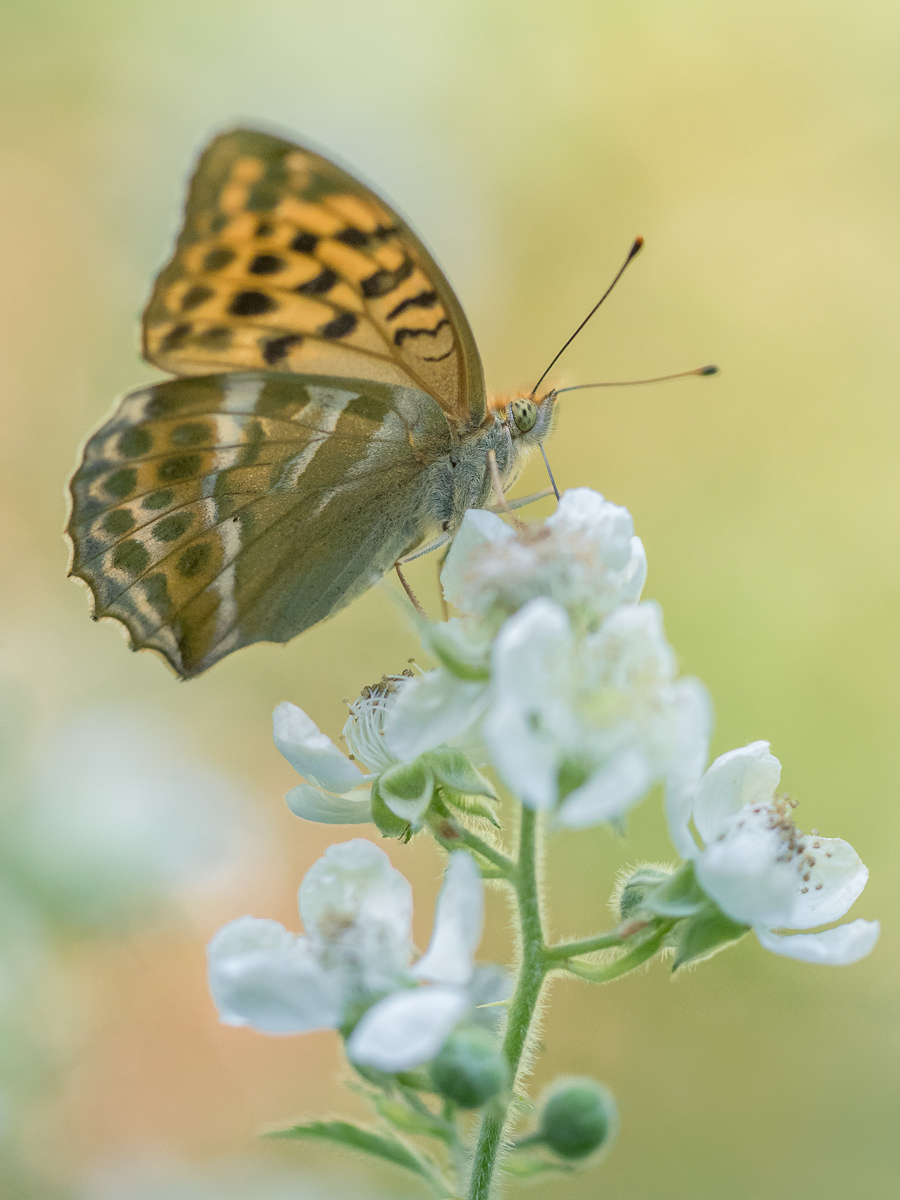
756 147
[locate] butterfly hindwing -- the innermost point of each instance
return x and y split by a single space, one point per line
212 512
287 263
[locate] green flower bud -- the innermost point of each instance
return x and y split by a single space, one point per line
578 1117
470 1069
388 823
636 886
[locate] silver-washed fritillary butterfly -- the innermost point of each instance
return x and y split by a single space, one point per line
328 417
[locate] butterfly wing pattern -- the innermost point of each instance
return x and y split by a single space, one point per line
329 416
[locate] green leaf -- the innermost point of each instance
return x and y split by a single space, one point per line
407 1121
680 896
704 935
407 789
355 1137
453 768
530 1168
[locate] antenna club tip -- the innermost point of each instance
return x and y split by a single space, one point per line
711 369
638 243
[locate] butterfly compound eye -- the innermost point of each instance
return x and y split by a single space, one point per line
524 413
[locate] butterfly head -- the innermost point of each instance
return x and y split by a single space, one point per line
528 420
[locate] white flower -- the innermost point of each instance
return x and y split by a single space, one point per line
761 870
339 792
585 557
587 724
352 965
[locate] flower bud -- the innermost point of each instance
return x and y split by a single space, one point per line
636 886
470 1069
578 1117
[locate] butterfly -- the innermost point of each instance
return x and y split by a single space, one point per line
328 414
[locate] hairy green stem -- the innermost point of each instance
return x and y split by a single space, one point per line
636 957
600 941
523 1004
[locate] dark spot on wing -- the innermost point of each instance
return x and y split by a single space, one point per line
352 237
130 556
176 337
121 483
218 257
156 589
171 528
184 466
134 442
340 326
304 243
423 300
266 264
383 281
192 433
251 304
275 349
216 338
161 499
195 296
194 558
323 282
118 521
402 334
264 229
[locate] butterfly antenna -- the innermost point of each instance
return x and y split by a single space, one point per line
710 369
638 242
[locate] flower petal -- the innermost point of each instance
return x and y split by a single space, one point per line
746 872
458 921
358 907
836 947
748 775
431 710
479 528
695 719
835 880
263 976
310 752
531 651
609 792
407 1029
313 804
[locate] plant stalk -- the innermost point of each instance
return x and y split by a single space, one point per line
523 1005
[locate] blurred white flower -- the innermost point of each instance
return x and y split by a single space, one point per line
585 557
403 772
761 870
352 965
119 814
585 725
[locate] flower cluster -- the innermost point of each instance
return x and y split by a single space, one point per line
556 679
352 969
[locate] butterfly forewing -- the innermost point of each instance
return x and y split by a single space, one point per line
288 263
209 513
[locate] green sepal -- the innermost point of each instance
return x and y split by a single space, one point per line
388 823
705 934
355 1137
465 662
407 788
680 896
452 768
418 1123
640 883
473 806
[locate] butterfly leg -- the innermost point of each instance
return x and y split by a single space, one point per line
412 595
